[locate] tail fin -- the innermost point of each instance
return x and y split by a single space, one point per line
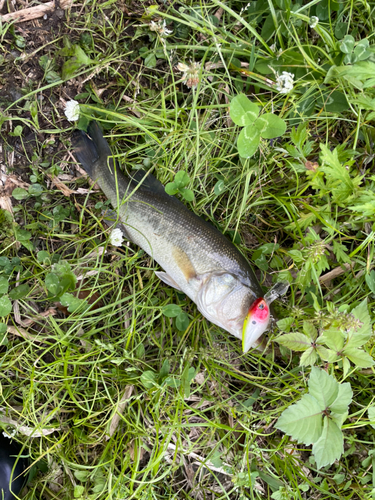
88 148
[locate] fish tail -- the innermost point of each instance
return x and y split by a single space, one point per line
85 150
90 147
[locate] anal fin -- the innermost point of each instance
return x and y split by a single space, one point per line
167 279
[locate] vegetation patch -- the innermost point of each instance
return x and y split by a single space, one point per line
258 116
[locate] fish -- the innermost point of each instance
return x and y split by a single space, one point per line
196 258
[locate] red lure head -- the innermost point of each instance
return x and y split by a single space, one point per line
260 310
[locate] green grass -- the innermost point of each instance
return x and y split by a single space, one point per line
142 409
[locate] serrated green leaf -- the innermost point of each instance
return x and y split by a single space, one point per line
5 306
371 415
215 459
248 141
359 357
340 182
242 111
285 324
303 420
343 400
295 341
310 330
323 387
340 251
296 255
345 366
309 357
332 338
330 446
270 126
356 338
339 418
316 302
327 354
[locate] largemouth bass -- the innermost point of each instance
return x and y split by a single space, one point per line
196 258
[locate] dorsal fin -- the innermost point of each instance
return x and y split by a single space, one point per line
147 181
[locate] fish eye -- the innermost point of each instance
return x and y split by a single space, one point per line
261 306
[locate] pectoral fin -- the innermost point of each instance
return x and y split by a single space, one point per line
184 263
167 280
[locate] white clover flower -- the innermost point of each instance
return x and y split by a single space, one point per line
161 28
314 21
10 434
116 238
245 8
284 82
72 110
190 75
